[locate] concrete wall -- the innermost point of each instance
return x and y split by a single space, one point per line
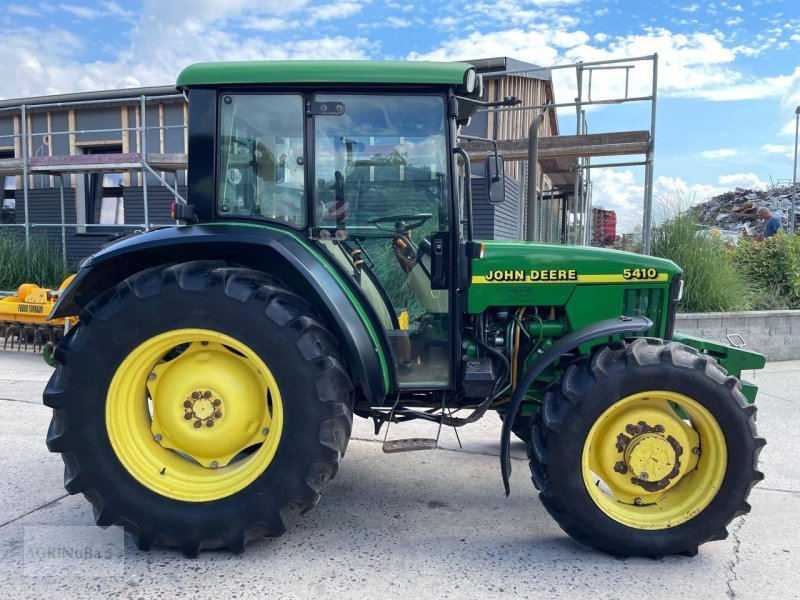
775 333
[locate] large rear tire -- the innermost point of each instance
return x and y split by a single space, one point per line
199 406
647 448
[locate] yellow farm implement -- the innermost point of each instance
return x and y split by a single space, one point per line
23 317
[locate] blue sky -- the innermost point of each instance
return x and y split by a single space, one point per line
729 72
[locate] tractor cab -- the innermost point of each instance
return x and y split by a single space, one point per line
366 170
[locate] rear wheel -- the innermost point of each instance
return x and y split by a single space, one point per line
199 406
646 449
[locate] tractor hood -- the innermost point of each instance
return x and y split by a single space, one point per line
523 274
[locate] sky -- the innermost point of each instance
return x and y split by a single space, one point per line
728 81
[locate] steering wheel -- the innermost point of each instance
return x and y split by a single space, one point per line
400 223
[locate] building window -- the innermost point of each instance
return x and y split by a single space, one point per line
8 204
103 202
105 205
7 215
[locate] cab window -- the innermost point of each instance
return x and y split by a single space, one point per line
261 160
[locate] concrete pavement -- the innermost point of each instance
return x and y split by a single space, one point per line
426 524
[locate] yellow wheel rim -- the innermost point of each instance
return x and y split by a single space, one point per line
194 415
654 460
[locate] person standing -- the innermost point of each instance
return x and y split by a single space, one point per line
772 223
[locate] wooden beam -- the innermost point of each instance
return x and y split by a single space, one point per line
571 146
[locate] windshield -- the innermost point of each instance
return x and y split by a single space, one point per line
261 161
386 155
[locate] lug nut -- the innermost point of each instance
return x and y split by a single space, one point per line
206 394
644 476
198 424
638 502
265 431
217 402
152 376
157 437
621 468
188 416
217 414
210 423
214 464
696 451
187 404
196 395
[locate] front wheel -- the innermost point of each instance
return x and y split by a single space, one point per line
199 406
647 448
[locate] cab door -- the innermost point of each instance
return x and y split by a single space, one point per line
382 211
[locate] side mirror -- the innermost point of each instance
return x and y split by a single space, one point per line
495 179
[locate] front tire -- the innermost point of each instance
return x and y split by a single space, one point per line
647 448
199 406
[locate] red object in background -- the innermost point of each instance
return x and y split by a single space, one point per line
604 227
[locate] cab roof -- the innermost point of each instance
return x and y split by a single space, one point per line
322 71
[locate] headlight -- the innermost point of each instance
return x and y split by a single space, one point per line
470 79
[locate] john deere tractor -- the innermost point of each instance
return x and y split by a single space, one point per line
325 267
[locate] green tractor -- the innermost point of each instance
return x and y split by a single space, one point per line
325 268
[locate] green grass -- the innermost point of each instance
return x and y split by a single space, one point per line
41 263
713 280
774 268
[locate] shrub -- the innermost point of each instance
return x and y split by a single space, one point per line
712 281
41 263
774 267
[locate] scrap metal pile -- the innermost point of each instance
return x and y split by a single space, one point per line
737 211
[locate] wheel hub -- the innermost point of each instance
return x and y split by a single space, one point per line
190 415
650 457
202 408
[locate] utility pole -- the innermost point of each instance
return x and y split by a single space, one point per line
792 217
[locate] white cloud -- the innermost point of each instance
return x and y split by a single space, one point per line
721 153
742 180
269 24
82 12
335 10
695 65
786 149
445 22
684 193
397 22
22 11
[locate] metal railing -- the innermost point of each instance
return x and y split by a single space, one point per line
26 135
579 213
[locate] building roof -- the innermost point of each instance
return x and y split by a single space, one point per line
99 95
503 65
323 71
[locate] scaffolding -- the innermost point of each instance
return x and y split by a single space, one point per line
567 159
26 165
